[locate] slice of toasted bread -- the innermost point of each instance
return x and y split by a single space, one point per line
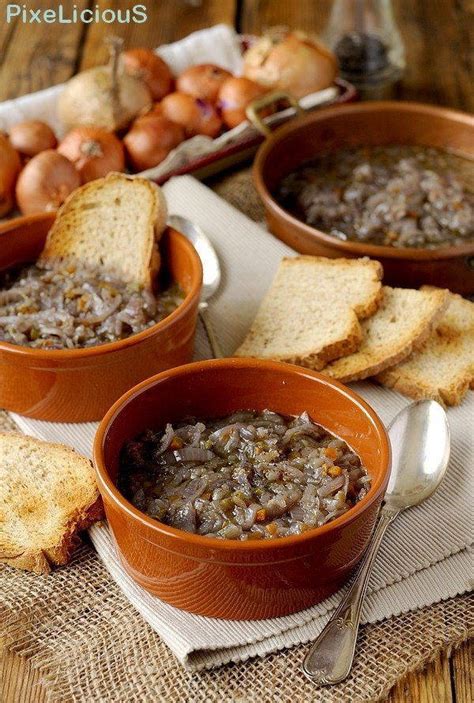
111 224
404 320
48 494
311 313
444 368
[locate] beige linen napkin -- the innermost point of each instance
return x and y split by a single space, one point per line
424 557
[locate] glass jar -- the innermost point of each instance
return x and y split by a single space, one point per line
368 45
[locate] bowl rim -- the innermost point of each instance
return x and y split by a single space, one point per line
351 247
107 486
196 275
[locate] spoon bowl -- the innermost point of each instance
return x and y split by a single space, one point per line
420 441
211 278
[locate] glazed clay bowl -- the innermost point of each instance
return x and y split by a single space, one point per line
227 578
78 385
368 124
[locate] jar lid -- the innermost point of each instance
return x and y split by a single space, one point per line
364 57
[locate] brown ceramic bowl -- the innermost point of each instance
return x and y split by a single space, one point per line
78 385
368 124
227 578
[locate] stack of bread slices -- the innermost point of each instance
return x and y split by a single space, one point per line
335 316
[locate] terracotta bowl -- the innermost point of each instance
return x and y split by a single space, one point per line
78 385
368 124
226 578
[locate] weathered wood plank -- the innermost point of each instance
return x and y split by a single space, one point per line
18 682
439 58
39 55
462 674
258 15
167 22
433 685
6 33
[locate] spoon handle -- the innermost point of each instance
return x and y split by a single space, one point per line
329 660
211 335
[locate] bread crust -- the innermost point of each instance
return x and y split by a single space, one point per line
425 328
318 361
424 376
452 394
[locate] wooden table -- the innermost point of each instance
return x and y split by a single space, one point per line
438 36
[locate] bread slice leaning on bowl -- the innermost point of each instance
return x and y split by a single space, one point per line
111 224
48 494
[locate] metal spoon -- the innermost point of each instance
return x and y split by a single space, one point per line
419 436
211 272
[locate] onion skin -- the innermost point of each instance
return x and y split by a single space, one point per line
154 110
148 67
234 96
89 99
10 166
45 183
194 115
295 63
31 137
150 140
94 152
202 81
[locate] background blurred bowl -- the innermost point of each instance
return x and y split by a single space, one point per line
368 124
230 578
78 385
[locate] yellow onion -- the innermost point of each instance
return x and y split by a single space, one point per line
151 69
45 182
202 81
105 96
10 166
235 95
195 115
31 137
150 140
290 61
94 152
